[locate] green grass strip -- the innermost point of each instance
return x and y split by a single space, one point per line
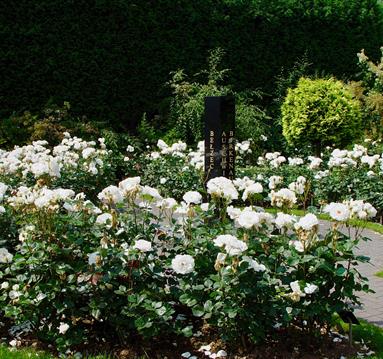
25 353
28 353
370 334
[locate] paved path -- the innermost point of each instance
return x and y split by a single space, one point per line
372 308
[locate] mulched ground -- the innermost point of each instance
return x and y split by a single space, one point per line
292 344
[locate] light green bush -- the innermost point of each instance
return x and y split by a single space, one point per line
320 112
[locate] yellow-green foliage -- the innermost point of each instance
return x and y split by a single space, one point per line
320 112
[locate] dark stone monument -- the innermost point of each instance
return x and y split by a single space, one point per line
219 137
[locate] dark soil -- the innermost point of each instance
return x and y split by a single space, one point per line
285 345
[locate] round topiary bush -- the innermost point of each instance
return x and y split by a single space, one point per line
320 112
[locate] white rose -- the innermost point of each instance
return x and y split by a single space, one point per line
4 285
104 218
297 245
205 207
232 244
254 188
192 197
129 185
284 220
142 245
253 264
338 211
5 256
307 222
310 288
63 328
183 264
111 194
87 152
94 258
248 219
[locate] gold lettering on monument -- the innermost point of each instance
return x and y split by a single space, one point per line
231 154
211 150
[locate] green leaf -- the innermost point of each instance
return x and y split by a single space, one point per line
198 311
340 271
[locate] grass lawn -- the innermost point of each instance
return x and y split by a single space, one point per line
6 353
370 334
27 353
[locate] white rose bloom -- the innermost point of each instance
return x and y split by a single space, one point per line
295 287
155 155
254 188
40 168
307 222
183 264
235 248
87 152
221 257
295 161
162 145
221 354
5 256
222 239
248 219
297 245
233 212
163 180
205 206
4 285
362 215
242 183
166 203
310 288
253 264
297 187
130 149
110 195
104 218
151 192
14 294
222 187
3 189
63 328
232 244
192 197
315 162
283 197
130 185
93 258
40 297
2 209
284 220
142 245
338 211
371 211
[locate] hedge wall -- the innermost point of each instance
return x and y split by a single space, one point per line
111 58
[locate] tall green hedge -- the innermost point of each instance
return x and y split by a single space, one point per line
111 58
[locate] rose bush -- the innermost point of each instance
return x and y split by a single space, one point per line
79 266
156 267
